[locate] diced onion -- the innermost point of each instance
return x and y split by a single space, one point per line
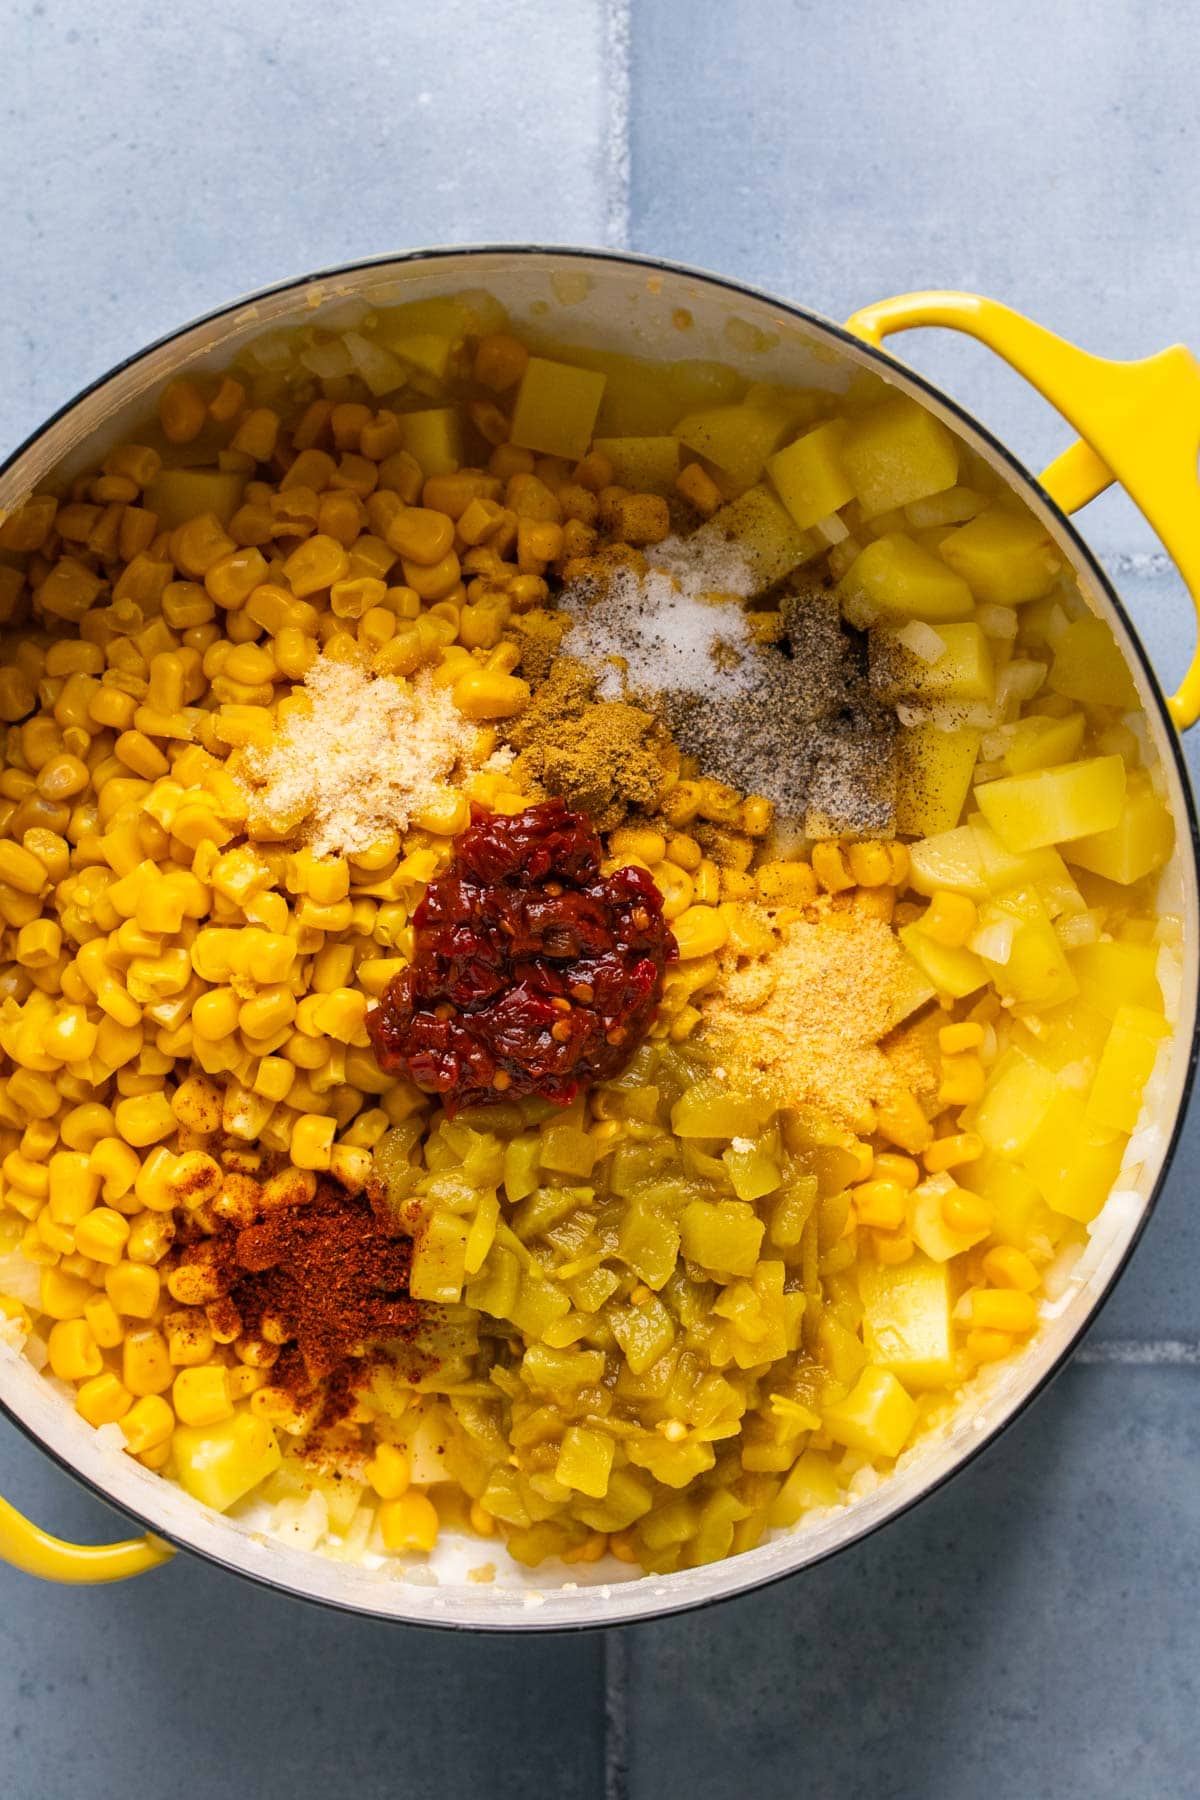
910 715
997 621
1077 929
832 529
1020 679
994 941
328 361
381 371
922 640
21 1280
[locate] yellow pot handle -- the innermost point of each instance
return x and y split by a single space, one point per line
1139 423
27 1547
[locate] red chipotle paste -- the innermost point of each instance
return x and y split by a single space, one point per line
531 971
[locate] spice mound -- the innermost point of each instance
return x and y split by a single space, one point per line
811 1015
324 1275
358 757
602 756
532 973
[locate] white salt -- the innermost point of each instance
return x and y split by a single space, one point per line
679 626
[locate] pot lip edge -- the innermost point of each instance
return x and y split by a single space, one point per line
730 1589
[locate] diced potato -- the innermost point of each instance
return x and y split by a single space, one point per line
439 1259
933 776
1018 1096
809 477
928 1226
894 578
1038 742
1035 971
740 438
875 1417
1069 1037
217 1464
1073 1163
724 1238
1004 869
469 313
428 351
1118 974
951 860
812 1483
1005 557
1140 842
963 672
897 453
648 465
759 525
434 437
906 1320
1050 806
954 971
556 408
176 495
1125 1066
1089 666
1020 1213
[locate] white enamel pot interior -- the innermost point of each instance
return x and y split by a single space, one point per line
623 303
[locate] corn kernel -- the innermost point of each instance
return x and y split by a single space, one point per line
181 411
902 1123
102 1234
1007 1267
883 1205
200 1396
950 918
147 1425
312 1141
105 1321
870 864
389 1472
145 1365
963 1080
892 1247
1003 1309
103 1400
831 866
409 1523
967 1213
954 1038
699 488
133 1289
988 1346
951 1152
63 1296
74 1352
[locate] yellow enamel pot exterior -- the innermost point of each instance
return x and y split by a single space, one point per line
1139 423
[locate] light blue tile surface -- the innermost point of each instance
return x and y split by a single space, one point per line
163 160
1030 1633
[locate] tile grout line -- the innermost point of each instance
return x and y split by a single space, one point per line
616 1715
1170 1353
616 24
